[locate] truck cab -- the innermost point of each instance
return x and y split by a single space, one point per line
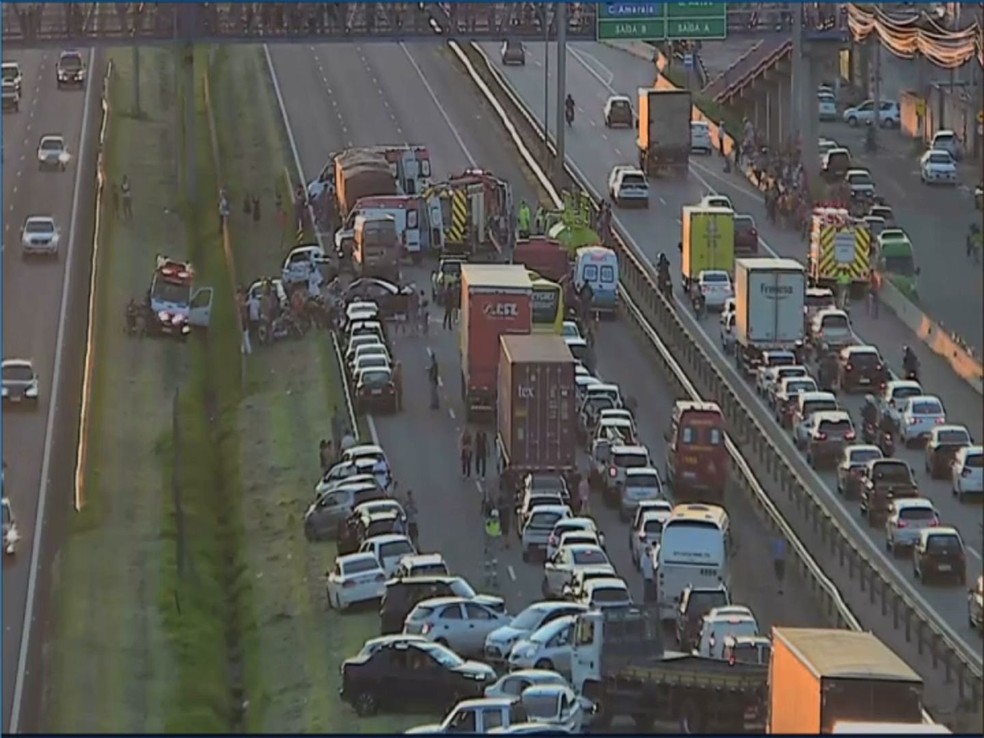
377 246
477 716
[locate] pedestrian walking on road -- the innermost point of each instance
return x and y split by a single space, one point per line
326 454
584 496
127 196
410 508
481 452
505 517
779 559
465 447
434 377
448 321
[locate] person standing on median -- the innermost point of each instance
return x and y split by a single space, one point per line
481 452
465 447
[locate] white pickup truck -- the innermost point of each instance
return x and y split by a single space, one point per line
551 705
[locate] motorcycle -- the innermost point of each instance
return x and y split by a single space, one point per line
665 284
912 374
886 442
868 433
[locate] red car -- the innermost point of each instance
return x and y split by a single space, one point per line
746 236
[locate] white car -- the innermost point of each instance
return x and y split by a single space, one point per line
370 361
40 235
388 550
894 396
500 641
968 472
538 527
358 342
11 536
627 185
359 311
776 377
416 565
715 285
458 623
364 451
889 115
727 332
766 377
605 592
641 484
513 684
570 330
918 417
717 201
582 576
783 399
947 141
618 112
700 137
827 104
808 403
52 153
355 578
558 571
936 166
646 533
569 525
733 620
859 182
549 647
297 264
20 381
906 517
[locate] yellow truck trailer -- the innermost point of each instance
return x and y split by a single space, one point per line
708 241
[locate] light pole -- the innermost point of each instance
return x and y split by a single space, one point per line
546 87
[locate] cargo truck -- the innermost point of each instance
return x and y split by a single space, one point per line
770 296
708 241
361 173
377 247
619 663
821 677
536 411
496 299
664 131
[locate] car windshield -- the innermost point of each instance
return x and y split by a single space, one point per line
926 407
39 226
801 385
620 105
943 544
744 222
701 603
590 557
954 436
395 548
544 519
835 322
444 656
940 157
51 144
71 61
862 457
633 180
653 526
716 277
374 377
835 426
903 265
917 513
358 566
176 294
629 460
901 393
865 358
17 373
528 619
974 461
642 480
609 594
859 178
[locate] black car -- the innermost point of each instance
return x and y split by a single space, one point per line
392 299
513 52
939 554
695 603
411 676
402 595
70 69
746 235
360 527
861 367
375 389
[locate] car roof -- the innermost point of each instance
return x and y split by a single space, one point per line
619 98
629 449
903 384
606 582
832 415
543 673
924 398
53 137
485 702
582 546
863 349
18 362
39 219
545 689
422 558
913 502
365 449
349 558
655 514
638 471
386 538
605 387
859 447
947 530
442 601
582 520
708 272
819 395
550 508
950 427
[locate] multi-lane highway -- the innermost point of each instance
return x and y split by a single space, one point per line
596 71
33 311
350 95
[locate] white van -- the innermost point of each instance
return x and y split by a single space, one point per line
597 267
693 550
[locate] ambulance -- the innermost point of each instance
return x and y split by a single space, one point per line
838 244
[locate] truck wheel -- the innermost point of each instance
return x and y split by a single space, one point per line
691 718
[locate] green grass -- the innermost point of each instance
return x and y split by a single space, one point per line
297 644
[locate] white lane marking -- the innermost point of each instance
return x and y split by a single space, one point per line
512 572
583 56
444 113
818 481
56 382
451 412
662 201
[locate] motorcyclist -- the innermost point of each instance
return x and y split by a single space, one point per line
909 361
663 271
828 370
886 424
569 109
870 143
869 412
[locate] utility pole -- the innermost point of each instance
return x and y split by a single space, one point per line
136 81
876 95
804 103
546 86
561 16
796 92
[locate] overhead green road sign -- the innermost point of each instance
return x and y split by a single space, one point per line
643 21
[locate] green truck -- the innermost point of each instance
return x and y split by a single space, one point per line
896 261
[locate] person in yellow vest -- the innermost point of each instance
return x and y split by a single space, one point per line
843 288
523 220
493 530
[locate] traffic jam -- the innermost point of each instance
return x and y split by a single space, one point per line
565 440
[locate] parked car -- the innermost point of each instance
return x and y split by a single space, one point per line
459 623
353 579
889 114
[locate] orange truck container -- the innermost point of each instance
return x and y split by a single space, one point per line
496 299
820 677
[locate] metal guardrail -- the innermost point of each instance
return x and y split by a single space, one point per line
706 371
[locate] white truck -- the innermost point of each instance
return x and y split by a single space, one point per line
769 300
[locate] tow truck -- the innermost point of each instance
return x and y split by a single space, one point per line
174 303
620 665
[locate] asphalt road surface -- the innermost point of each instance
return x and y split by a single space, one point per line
350 95
32 301
594 72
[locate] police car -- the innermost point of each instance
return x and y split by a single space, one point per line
175 304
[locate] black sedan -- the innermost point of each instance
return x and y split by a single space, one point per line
411 676
391 298
861 367
375 389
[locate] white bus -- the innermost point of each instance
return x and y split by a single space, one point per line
693 550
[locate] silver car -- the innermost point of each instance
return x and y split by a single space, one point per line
20 382
906 518
333 507
40 235
52 153
641 483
